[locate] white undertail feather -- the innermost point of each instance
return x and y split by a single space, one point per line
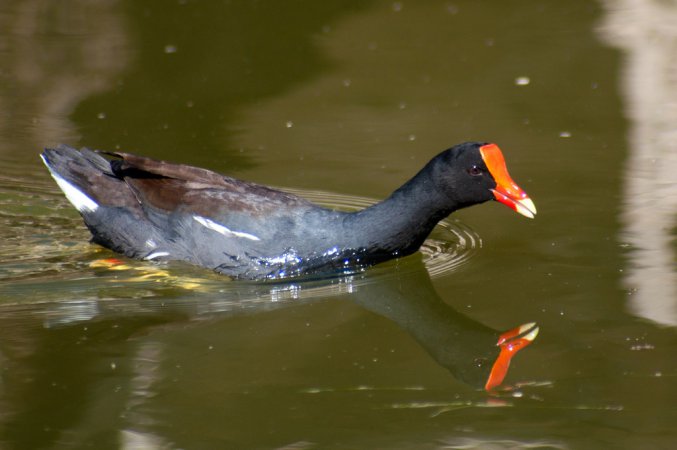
79 199
208 223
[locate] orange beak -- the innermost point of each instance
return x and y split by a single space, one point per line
507 191
510 342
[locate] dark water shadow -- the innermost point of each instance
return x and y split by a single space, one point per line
196 65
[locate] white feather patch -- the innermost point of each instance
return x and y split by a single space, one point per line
156 255
208 223
79 199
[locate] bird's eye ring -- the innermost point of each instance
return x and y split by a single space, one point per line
474 171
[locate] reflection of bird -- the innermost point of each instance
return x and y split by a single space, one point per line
472 352
152 209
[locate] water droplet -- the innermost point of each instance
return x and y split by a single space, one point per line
565 134
522 81
347 82
101 115
170 49
289 124
397 6
412 137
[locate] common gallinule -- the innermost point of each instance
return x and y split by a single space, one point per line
156 210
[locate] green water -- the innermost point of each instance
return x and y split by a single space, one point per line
347 99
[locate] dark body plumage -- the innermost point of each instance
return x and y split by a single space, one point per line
149 209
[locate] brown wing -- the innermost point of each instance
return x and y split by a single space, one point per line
169 187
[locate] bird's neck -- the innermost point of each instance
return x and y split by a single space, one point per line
399 224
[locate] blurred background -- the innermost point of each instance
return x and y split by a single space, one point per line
343 101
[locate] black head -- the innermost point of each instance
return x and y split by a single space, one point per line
475 172
461 175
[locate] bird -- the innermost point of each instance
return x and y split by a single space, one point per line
156 210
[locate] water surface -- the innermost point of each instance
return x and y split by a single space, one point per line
342 101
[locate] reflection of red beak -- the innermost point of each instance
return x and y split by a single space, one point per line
510 342
507 191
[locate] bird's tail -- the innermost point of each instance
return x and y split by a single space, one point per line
82 175
110 210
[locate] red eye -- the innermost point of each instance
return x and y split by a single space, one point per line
475 171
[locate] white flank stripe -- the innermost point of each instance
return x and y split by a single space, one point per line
78 198
156 255
208 223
